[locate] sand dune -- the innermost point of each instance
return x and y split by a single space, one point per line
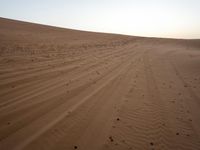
64 89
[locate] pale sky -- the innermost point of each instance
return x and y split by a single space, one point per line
157 18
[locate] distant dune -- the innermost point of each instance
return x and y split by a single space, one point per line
63 89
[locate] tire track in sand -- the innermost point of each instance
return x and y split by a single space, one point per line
55 114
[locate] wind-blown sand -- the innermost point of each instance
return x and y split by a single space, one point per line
64 89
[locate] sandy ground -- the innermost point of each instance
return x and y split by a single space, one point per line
64 89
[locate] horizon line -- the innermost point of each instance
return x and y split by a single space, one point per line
92 31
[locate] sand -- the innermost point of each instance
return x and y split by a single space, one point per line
63 89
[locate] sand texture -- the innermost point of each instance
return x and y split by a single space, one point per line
63 89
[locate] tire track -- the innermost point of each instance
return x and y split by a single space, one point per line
60 117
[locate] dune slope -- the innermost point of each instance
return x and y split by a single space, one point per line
64 89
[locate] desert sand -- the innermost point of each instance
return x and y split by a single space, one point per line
63 89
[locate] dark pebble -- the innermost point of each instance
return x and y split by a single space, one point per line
111 138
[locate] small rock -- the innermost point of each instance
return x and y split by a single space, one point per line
111 138
75 147
177 133
118 119
151 144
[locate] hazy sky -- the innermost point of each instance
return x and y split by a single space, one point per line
161 18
